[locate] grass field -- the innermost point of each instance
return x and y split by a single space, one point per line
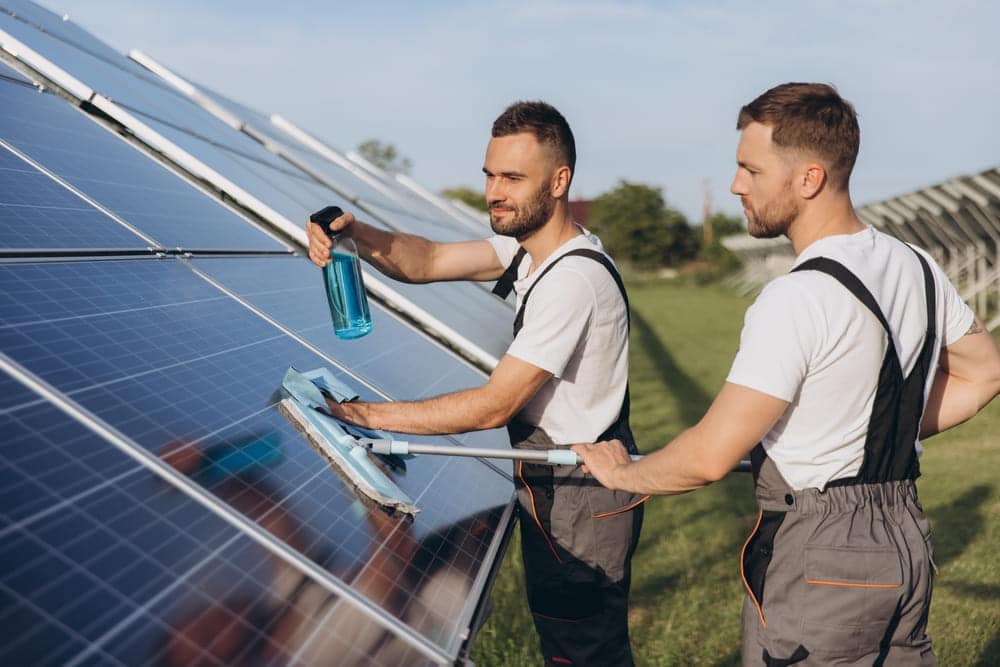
686 591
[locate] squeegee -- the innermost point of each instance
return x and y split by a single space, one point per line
303 406
347 447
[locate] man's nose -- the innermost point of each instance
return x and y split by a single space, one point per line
495 194
737 187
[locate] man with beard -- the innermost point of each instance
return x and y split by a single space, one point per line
844 363
563 379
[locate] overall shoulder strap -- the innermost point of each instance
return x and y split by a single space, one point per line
843 275
581 252
506 282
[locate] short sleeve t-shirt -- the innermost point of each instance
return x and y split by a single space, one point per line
809 341
575 326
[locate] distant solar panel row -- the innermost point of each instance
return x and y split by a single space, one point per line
154 505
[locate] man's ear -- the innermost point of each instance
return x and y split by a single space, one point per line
812 180
560 182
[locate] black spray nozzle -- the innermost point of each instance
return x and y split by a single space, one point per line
325 216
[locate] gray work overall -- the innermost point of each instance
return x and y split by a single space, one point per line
577 537
844 575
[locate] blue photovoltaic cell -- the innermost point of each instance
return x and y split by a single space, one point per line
191 376
38 212
145 194
399 362
102 561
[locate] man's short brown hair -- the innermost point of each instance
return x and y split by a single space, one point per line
545 122
810 117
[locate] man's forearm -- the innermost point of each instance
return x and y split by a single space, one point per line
459 412
403 257
966 379
951 402
683 465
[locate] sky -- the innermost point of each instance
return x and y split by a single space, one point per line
651 89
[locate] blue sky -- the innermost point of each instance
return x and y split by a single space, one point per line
651 89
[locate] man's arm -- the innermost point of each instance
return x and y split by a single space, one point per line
966 380
406 257
736 421
511 385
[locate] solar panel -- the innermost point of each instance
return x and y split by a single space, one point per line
155 506
124 81
398 362
254 169
190 375
143 193
54 24
102 561
38 212
357 184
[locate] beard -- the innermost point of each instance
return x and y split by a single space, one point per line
526 219
774 218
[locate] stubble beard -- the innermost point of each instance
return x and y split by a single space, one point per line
531 217
775 218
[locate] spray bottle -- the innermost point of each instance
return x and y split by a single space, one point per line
345 289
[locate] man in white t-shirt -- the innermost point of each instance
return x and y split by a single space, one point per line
843 365
563 380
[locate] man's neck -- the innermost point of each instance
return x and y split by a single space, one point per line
559 229
822 219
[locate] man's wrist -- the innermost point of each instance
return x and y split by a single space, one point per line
617 477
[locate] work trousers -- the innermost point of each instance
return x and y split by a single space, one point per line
841 576
577 541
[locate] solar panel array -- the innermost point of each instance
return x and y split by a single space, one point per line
155 507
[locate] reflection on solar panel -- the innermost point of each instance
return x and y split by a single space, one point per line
155 507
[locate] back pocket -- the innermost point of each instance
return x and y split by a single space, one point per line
851 596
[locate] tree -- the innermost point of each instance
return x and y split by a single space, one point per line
635 224
474 198
719 259
385 156
723 225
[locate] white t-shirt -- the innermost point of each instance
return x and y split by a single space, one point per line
576 327
809 341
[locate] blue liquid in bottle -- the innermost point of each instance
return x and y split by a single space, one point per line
345 292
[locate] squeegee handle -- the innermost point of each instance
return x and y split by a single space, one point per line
564 457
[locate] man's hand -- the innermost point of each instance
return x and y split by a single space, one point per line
319 242
511 385
604 460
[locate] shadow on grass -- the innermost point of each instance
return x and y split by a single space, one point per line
955 525
988 658
985 592
728 505
692 401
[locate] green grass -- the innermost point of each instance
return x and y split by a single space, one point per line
686 591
